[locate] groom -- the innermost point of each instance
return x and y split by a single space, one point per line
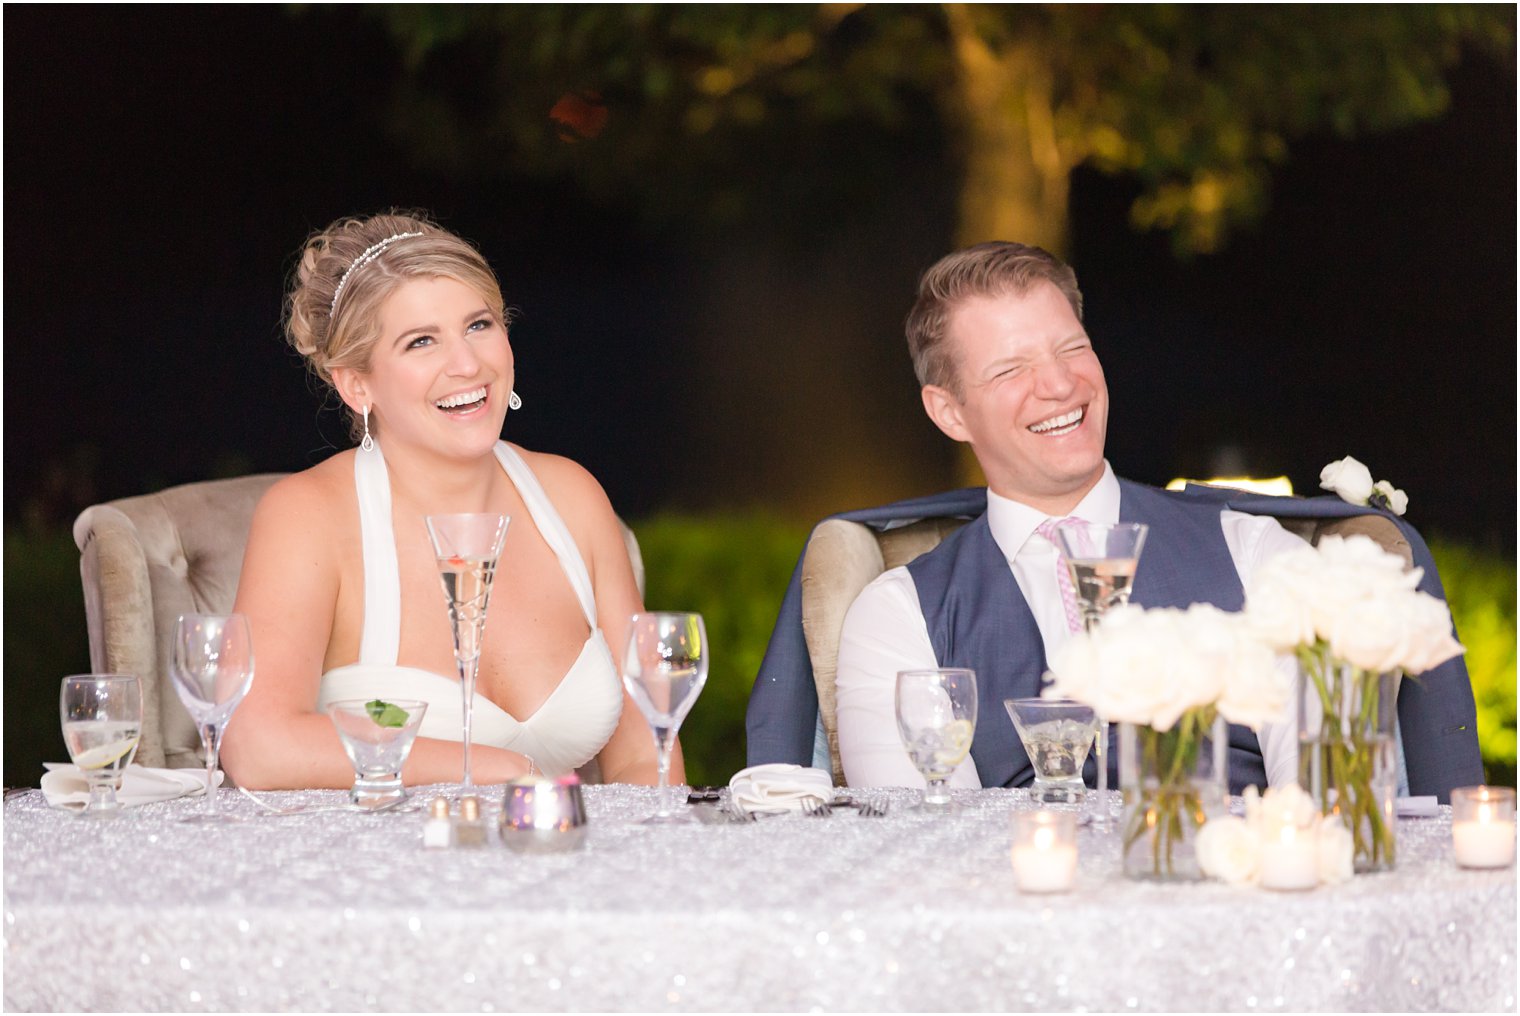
1006 366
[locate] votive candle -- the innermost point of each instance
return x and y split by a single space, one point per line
1044 851
1289 857
1483 826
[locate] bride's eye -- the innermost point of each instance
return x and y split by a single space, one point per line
419 342
480 324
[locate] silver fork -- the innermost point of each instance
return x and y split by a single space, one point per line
870 808
813 807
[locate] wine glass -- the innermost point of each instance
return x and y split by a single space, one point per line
1102 560
664 668
936 716
467 547
212 667
102 721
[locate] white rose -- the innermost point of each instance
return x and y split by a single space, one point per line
1256 690
1228 850
1289 804
1348 478
1397 500
1333 847
1139 679
1431 638
1278 616
1373 634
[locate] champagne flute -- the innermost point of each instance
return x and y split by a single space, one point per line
102 721
1102 561
467 547
664 668
212 667
936 717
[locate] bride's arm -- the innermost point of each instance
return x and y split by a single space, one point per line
629 755
289 592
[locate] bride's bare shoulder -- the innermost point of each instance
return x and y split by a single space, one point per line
314 501
566 481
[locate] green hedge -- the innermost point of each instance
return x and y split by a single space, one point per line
734 570
1480 588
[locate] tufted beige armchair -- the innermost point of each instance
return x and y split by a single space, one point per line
842 558
146 560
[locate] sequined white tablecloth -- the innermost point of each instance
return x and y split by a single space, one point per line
348 912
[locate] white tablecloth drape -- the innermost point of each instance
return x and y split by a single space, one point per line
339 911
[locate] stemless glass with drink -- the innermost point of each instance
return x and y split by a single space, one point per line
467 547
102 721
212 668
936 717
1102 561
664 669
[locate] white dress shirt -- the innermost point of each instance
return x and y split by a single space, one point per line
884 632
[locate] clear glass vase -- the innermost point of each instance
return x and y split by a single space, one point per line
1172 782
1347 752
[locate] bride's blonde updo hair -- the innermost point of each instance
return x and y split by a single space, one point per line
346 271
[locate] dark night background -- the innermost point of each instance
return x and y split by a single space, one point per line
163 165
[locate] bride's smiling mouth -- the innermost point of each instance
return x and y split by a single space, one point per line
1056 426
463 402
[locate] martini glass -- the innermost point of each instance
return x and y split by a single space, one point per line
467 547
1102 561
212 668
664 669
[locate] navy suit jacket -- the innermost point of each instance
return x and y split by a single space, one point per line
1437 716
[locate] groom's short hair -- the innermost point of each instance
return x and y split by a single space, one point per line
987 269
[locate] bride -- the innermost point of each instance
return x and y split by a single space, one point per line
406 322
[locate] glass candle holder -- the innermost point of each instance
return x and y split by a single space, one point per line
1290 851
1483 826
1044 851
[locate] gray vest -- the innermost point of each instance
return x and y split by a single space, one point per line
977 617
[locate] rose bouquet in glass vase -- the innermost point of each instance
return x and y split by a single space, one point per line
1171 679
1350 614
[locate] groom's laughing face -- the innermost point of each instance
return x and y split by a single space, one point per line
1032 400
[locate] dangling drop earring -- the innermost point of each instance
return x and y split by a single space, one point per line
368 444
514 401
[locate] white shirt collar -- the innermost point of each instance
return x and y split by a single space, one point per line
1013 523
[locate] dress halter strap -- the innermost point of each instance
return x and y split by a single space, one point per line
380 642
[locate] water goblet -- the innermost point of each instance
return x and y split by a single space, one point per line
1057 734
212 668
377 736
936 717
664 669
102 721
467 548
1102 560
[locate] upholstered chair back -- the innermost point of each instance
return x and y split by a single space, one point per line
143 562
146 560
842 558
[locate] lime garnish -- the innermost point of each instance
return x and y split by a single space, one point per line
386 714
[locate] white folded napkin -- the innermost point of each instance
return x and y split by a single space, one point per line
1416 807
64 785
778 787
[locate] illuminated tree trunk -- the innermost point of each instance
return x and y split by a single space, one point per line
1016 174
1016 178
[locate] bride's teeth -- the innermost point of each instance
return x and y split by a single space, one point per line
1065 422
462 399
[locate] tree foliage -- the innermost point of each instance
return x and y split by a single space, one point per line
685 101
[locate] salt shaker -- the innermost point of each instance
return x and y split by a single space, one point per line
437 831
469 828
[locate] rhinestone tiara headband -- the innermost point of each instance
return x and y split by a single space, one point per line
370 253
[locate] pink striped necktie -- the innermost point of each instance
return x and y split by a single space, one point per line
1048 529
